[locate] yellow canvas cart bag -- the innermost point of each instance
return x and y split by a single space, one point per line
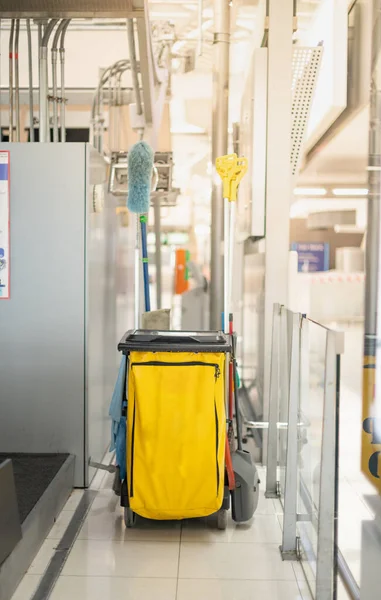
176 429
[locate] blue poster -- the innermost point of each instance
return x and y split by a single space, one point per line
312 256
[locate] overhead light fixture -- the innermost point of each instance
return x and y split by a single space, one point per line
310 191
348 229
350 192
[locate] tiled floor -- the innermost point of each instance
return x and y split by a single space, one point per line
193 560
167 561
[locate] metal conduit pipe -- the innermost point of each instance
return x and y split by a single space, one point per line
54 52
11 38
30 75
100 121
63 99
118 102
39 29
122 65
44 102
119 67
115 104
134 65
17 80
219 148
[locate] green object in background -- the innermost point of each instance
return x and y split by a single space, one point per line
187 259
237 380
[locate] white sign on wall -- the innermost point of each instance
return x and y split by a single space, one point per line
4 225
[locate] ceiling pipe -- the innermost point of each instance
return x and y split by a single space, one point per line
219 148
30 76
62 65
134 65
11 38
119 67
55 99
44 88
17 79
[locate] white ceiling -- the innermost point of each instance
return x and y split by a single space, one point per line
344 158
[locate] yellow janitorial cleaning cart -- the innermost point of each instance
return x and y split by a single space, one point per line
180 387
176 424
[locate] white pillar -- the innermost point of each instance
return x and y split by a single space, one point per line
278 176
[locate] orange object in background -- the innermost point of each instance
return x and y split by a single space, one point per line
181 271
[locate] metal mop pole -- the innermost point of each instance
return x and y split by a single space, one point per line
231 250
137 274
226 265
231 170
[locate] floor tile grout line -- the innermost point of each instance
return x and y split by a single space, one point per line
298 581
155 577
64 547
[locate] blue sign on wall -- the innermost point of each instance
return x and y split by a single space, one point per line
312 256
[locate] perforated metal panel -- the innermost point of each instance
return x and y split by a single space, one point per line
305 70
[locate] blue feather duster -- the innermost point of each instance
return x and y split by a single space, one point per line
140 165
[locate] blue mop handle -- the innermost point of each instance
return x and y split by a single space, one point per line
147 300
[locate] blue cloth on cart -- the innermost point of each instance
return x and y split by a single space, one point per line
120 448
117 400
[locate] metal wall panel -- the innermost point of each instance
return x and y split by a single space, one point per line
101 291
42 326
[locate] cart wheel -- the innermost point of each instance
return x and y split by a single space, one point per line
222 519
129 517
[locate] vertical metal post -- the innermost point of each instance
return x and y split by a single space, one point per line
11 38
43 54
272 436
288 548
326 525
219 148
30 76
158 252
134 65
371 391
278 171
44 85
63 99
39 39
17 80
54 53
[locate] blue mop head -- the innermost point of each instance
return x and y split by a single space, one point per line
140 165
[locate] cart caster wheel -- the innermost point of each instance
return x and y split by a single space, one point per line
129 517
222 519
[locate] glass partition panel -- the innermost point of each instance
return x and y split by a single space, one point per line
285 343
311 413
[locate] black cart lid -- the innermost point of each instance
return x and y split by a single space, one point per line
174 341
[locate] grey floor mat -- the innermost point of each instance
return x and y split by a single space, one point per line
33 474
